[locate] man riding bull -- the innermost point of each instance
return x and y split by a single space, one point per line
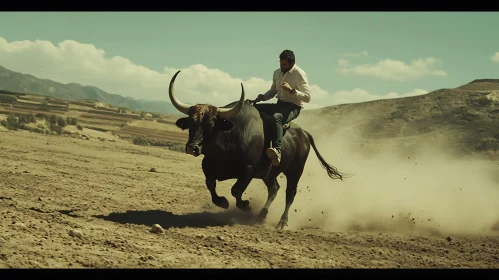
290 84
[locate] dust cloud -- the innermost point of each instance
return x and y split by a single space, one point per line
420 189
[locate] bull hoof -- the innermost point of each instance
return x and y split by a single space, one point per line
262 216
244 205
282 226
221 202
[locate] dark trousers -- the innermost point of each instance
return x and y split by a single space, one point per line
282 112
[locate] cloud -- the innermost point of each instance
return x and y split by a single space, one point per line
351 54
396 70
495 57
361 95
70 61
73 62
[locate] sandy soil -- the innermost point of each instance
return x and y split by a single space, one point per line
156 125
67 202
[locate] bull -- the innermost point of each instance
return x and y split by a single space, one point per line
233 140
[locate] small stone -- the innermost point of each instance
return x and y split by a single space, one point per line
221 238
448 239
75 233
156 228
19 224
152 170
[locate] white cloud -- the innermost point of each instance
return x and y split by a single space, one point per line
397 70
343 62
73 62
352 54
495 57
360 95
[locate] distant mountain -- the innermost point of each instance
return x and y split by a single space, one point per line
25 83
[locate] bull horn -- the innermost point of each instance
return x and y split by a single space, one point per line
231 112
177 104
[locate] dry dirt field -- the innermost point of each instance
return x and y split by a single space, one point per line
67 202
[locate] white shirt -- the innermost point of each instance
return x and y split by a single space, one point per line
297 79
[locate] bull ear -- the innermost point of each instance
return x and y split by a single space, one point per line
182 123
224 125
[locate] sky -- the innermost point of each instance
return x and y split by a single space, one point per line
349 57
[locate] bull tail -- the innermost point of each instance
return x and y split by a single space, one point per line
332 171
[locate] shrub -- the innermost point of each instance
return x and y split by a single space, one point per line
140 140
71 121
9 99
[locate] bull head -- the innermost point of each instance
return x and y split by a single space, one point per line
203 120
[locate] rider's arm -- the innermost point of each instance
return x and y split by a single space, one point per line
272 91
303 90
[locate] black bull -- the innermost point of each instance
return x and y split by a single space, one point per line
233 140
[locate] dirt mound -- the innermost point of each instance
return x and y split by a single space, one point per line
469 120
481 85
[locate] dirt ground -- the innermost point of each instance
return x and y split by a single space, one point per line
67 202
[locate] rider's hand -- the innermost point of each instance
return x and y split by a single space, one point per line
285 86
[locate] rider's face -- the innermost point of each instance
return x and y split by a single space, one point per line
285 65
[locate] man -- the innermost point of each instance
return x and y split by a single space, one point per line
290 84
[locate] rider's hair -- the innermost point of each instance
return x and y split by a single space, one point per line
288 55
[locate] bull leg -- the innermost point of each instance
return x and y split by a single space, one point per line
240 187
219 201
211 184
273 188
292 185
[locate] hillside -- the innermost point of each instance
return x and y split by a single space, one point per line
462 120
87 119
481 84
25 83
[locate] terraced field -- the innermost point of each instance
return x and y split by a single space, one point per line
97 116
154 133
